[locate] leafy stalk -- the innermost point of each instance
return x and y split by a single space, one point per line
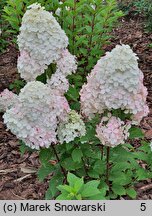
107 165
58 159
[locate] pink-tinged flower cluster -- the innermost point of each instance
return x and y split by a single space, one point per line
7 100
112 131
41 42
66 65
116 82
139 106
35 118
28 68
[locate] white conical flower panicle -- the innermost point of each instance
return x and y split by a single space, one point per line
116 82
73 128
34 119
41 42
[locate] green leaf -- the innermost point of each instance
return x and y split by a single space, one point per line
89 29
70 165
99 167
78 197
63 196
44 171
97 197
135 133
54 182
118 189
72 93
116 175
141 174
77 155
131 192
103 187
71 178
42 78
24 148
64 188
69 146
141 155
45 155
90 189
93 174
122 166
78 185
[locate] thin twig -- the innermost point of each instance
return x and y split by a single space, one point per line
85 167
23 177
145 188
107 170
58 159
18 196
101 149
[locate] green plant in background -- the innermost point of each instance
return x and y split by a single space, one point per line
3 27
144 7
87 25
125 6
11 15
15 9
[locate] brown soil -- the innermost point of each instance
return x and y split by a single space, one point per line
18 173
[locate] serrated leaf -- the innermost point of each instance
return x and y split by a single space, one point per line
90 189
141 155
99 167
73 93
24 148
135 133
93 174
71 178
97 197
45 155
44 171
141 174
64 188
69 146
77 155
54 182
122 166
78 185
118 189
131 192
63 196
70 165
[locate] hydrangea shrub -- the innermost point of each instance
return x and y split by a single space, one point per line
92 144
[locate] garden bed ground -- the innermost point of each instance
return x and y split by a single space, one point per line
18 173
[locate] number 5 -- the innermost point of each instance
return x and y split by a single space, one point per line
143 207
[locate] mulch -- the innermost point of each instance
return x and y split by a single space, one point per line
18 172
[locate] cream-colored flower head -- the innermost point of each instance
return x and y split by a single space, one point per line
42 39
116 82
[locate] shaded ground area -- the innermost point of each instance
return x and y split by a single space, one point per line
18 173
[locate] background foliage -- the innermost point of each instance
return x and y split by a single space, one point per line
141 7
